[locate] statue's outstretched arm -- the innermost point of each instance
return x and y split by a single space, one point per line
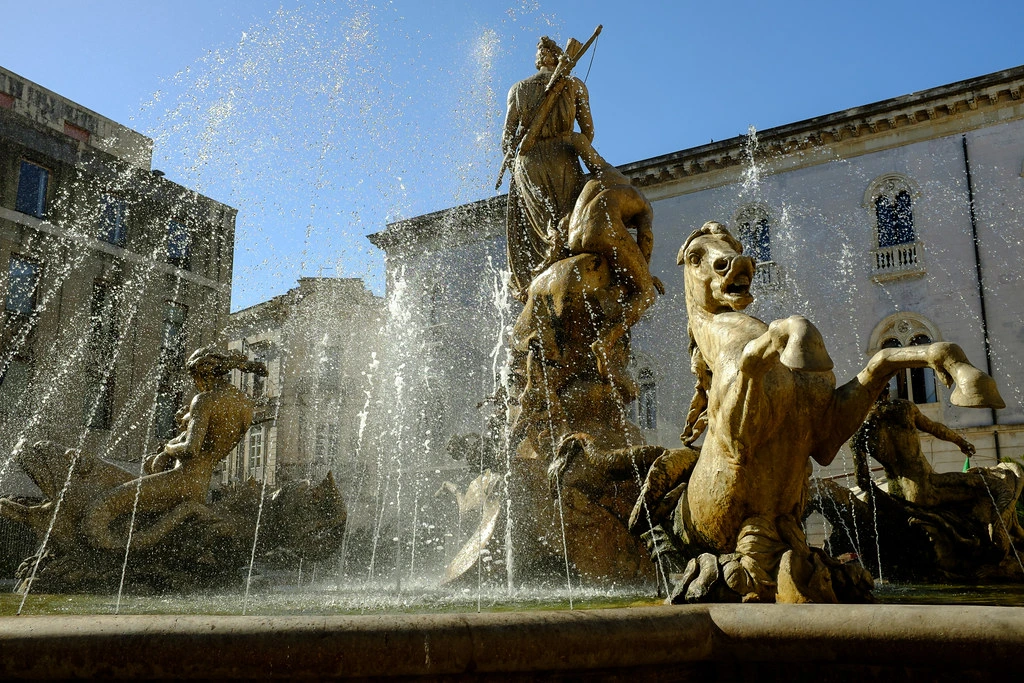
941 431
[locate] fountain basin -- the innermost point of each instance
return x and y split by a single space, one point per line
667 643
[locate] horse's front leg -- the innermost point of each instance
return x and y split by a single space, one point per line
793 343
973 388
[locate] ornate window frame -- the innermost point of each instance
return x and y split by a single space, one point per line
896 261
904 327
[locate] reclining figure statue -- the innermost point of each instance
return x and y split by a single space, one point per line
177 539
924 525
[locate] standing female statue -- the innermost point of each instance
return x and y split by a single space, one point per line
546 173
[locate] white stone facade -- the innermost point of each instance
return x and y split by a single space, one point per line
318 342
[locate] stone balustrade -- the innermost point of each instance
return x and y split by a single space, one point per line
899 260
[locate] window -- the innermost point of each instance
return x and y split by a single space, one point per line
754 228
891 199
22 283
258 383
99 400
239 459
327 442
178 245
172 344
32 181
908 329
256 452
14 380
922 380
328 379
99 396
172 358
895 218
647 404
167 402
915 384
112 227
258 386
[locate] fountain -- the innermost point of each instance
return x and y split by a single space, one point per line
572 476
177 541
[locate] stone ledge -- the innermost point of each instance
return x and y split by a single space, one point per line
667 643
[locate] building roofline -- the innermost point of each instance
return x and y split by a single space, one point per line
279 299
45 107
945 102
941 102
437 222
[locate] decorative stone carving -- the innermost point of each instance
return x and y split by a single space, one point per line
178 540
573 446
924 525
766 403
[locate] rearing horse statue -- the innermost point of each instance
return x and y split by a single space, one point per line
768 400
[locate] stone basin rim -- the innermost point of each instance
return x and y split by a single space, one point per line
499 645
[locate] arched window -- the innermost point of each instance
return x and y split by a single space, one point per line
908 329
753 227
892 199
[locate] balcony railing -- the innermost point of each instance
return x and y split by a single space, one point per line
768 276
899 260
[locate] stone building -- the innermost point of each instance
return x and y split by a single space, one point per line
319 341
110 274
894 223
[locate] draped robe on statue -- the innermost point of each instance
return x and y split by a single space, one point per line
547 178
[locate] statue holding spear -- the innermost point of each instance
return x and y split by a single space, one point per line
547 177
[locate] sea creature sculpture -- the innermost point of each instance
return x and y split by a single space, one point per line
768 400
176 539
924 525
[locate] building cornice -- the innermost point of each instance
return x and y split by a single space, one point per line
927 114
478 220
924 115
32 102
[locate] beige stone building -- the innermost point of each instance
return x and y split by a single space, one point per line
894 223
110 274
320 342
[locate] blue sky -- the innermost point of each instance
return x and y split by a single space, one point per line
321 121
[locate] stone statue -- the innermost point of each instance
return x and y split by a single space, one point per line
179 540
767 403
218 417
538 145
927 525
574 449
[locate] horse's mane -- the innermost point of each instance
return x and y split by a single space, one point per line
697 416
